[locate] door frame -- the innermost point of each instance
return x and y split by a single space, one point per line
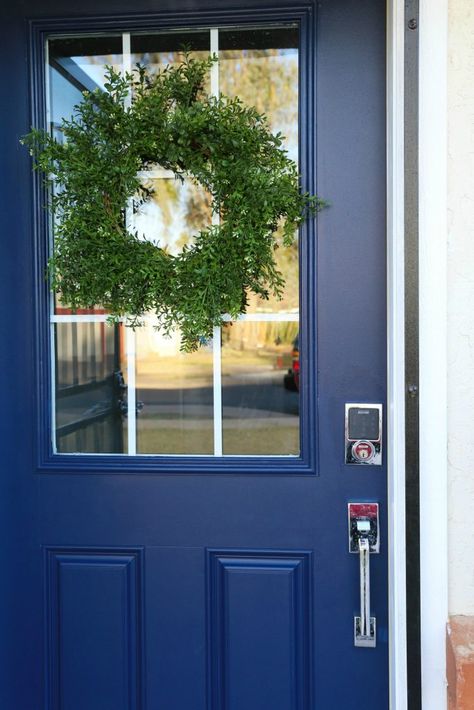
429 251
396 350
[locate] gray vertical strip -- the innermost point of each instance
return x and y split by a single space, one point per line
412 356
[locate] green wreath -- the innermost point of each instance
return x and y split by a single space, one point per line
167 119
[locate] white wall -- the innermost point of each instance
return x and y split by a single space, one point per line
461 306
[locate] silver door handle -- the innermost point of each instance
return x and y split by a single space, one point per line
364 625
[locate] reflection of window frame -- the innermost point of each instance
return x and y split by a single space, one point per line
306 462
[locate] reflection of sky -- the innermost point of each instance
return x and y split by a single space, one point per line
64 97
88 72
95 67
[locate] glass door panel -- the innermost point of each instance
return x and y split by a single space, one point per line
239 394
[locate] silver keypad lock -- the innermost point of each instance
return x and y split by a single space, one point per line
363 434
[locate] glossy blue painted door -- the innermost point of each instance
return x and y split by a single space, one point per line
201 583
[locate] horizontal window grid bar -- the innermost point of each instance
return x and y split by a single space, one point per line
263 317
81 318
157 174
246 317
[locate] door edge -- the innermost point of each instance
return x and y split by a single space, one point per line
396 354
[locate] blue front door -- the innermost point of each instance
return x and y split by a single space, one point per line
175 527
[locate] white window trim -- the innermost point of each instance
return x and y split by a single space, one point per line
396 353
433 62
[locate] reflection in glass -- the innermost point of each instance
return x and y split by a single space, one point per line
78 64
260 411
177 395
156 51
89 396
175 212
261 67
174 391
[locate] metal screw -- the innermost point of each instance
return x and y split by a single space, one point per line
413 390
412 24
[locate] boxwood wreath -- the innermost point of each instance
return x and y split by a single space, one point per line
141 120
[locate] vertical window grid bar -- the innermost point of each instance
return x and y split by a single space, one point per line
53 345
215 66
127 61
216 339
130 333
131 392
217 393
53 387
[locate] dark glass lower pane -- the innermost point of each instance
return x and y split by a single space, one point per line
260 381
89 393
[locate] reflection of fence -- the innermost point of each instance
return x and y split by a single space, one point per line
88 388
250 335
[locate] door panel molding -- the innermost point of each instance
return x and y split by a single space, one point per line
94 612
258 628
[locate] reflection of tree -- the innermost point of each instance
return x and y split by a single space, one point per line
268 80
198 209
174 212
158 61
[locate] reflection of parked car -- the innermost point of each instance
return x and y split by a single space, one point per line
291 380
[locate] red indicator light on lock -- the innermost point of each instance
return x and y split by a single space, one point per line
363 450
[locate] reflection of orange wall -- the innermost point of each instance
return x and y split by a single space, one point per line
122 342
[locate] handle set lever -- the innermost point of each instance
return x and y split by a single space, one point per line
364 539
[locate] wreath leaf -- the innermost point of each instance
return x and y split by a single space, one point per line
220 144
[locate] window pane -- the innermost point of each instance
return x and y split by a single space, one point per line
89 397
174 388
261 67
156 51
174 213
176 392
260 401
78 64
